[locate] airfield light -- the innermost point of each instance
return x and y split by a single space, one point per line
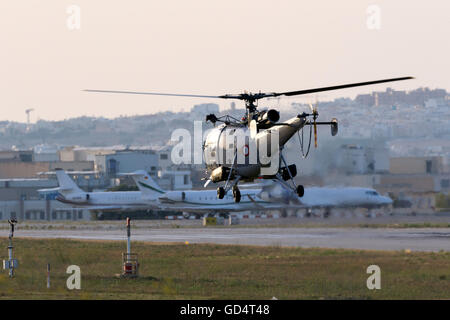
48 275
11 263
129 259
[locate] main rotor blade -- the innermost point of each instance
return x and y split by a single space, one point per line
342 86
156 93
256 96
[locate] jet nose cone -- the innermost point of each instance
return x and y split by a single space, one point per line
386 200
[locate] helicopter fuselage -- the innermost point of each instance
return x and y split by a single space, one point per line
235 148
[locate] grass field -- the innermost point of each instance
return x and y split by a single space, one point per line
185 271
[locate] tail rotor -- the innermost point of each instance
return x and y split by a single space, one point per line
315 114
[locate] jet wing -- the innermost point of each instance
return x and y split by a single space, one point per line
197 209
254 202
118 208
166 200
167 204
49 190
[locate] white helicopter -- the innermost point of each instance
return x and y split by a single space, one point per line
233 151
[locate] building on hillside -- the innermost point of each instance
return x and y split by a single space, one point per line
20 199
418 180
164 157
418 165
14 155
127 161
357 159
45 153
25 169
205 108
175 180
74 153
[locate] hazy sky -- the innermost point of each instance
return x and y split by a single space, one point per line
209 47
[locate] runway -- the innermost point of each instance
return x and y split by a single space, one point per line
415 239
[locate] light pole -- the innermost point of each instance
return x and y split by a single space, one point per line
11 263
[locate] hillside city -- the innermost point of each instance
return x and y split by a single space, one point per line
389 115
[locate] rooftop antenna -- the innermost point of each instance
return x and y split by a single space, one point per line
28 111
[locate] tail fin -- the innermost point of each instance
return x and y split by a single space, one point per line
66 184
146 184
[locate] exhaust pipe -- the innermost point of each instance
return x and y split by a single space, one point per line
268 118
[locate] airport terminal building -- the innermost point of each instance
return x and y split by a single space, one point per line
23 175
20 199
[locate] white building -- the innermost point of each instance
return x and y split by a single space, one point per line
175 180
205 108
42 153
127 161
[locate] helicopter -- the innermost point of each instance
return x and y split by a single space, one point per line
242 150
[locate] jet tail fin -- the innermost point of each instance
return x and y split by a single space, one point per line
146 184
66 184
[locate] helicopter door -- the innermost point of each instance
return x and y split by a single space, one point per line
210 149
227 144
268 153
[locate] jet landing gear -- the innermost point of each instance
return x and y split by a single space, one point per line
300 191
236 193
220 193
